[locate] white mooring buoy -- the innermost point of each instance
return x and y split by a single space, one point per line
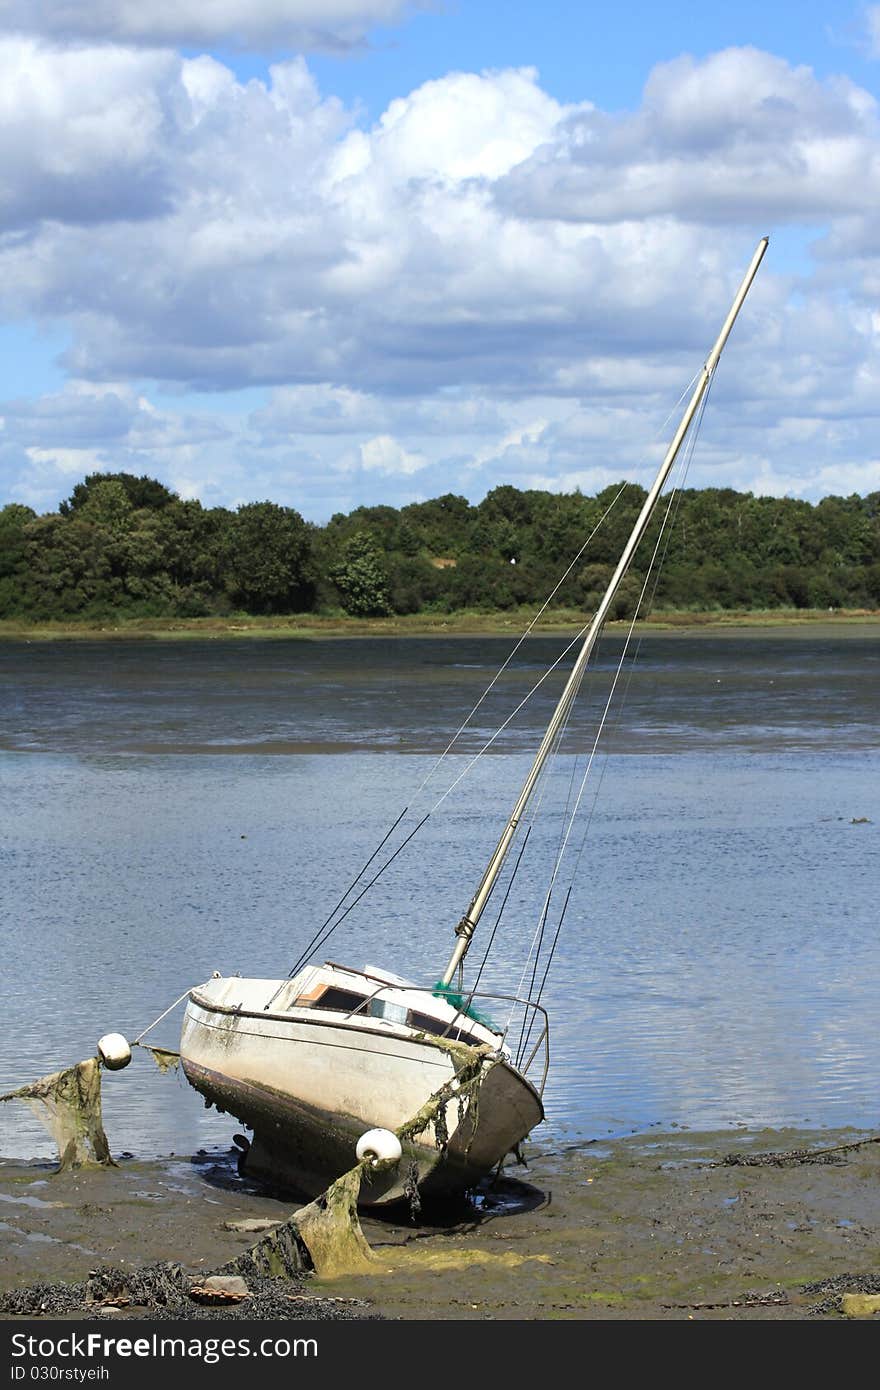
379 1146
114 1051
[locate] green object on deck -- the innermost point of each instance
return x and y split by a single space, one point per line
458 1001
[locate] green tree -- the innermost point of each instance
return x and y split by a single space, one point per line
266 559
71 568
141 492
361 578
128 545
14 522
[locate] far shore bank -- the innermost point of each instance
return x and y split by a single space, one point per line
778 622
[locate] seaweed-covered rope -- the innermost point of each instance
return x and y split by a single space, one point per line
792 1156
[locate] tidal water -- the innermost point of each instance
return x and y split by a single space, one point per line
172 808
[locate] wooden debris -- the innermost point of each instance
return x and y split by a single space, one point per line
220 1288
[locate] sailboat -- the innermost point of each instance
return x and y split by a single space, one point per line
334 1062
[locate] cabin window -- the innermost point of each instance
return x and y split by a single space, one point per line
346 1001
343 1000
426 1024
386 1008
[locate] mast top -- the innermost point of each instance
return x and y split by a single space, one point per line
465 929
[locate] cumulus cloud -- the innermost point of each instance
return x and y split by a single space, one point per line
386 455
735 138
484 284
332 410
87 428
296 24
83 135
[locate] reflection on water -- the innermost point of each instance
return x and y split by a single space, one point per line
718 963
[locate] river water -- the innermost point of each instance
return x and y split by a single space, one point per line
172 808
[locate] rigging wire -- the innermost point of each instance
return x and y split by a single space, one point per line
322 936
540 613
318 938
324 932
519 857
312 944
534 812
653 573
353 904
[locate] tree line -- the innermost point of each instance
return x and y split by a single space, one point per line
125 546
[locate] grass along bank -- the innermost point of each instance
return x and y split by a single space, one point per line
465 622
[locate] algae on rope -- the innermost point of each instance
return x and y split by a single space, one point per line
326 1234
462 1087
331 1231
165 1059
68 1104
328 1229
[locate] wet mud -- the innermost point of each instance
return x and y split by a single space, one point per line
656 1226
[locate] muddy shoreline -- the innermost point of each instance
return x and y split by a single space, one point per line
651 1226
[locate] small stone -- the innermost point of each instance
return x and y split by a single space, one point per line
252 1225
860 1305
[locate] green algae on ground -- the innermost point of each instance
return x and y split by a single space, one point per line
326 1234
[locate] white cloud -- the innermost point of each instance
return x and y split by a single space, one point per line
505 448
334 410
486 124
385 455
292 24
483 285
738 137
100 427
76 462
306 410
83 136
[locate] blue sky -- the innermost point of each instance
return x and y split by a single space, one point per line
599 51
341 252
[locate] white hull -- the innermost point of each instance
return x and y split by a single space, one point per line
310 1081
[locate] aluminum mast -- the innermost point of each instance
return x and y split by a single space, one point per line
465 929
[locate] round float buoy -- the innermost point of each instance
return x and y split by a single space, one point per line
114 1051
379 1146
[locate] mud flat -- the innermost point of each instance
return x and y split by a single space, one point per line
653 1226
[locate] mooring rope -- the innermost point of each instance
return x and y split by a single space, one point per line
137 1041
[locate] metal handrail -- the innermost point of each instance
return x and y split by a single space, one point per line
516 1000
